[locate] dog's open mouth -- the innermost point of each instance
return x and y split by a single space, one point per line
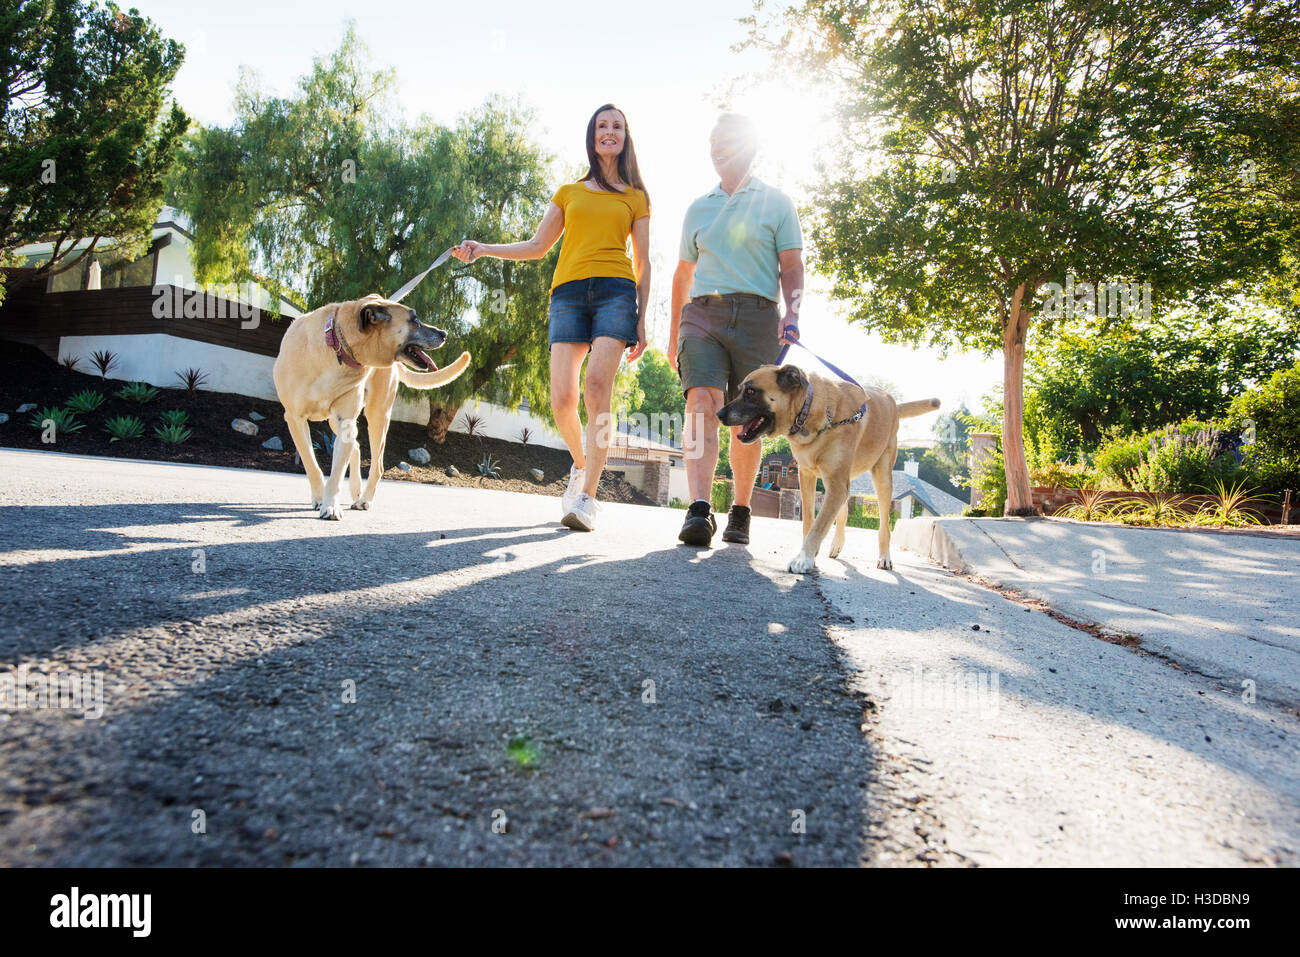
755 428
418 359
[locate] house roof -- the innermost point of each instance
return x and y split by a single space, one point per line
634 438
935 500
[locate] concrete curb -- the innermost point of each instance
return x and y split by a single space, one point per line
928 538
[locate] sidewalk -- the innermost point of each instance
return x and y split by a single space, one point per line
1225 606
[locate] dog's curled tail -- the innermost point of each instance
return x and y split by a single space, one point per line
921 406
431 380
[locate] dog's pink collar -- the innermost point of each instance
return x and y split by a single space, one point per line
334 339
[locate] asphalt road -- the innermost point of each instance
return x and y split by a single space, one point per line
453 678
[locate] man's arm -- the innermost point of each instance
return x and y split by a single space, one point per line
682 279
791 261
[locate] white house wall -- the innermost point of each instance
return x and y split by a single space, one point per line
157 358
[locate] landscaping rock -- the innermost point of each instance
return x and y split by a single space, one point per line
537 474
404 466
243 425
27 407
3 418
274 444
418 456
256 417
452 471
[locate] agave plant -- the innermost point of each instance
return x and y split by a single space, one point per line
1092 506
489 467
1230 505
103 360
86 401
172 433
178 417
124 427
325 442
138 392
65 420
191 379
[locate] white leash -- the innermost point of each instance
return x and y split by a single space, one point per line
397 296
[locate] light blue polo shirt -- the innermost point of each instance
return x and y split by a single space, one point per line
734 240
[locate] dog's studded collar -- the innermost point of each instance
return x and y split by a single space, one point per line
334 339
802 417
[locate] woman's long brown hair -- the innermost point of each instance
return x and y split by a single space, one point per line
628 170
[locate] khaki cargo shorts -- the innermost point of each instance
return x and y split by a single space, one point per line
722 339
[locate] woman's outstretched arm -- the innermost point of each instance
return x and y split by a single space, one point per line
537 247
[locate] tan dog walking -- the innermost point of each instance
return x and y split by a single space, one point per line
834 435
342 357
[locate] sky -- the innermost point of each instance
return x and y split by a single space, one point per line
670 66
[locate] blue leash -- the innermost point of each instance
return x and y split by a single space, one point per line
780 360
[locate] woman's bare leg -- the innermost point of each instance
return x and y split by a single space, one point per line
606 353
566 366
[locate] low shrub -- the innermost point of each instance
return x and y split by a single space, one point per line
86 401
172 433
1180 459
177 417
65 420
1184 458
124 427
1270 413
1063 475
138 392
990 479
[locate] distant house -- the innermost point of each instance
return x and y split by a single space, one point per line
149 312
908 489
779 470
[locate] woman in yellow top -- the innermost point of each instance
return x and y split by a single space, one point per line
598 296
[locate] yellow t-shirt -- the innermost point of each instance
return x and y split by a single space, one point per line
596 227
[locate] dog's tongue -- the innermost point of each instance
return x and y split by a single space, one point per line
754 423
425 356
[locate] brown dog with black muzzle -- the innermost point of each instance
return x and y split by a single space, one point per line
837 430
339 358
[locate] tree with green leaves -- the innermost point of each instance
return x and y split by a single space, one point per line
86 136
326 193
993 147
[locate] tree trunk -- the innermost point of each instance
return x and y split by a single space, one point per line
441 416
1015 329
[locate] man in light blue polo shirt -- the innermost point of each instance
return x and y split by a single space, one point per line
741 252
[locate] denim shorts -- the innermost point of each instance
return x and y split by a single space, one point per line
583 309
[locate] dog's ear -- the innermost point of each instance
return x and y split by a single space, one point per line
791 379
373 313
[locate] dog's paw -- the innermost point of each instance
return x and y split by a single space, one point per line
836 548
802 564
885 563
331 513
361 506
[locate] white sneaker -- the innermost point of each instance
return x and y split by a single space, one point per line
577 477
582 516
